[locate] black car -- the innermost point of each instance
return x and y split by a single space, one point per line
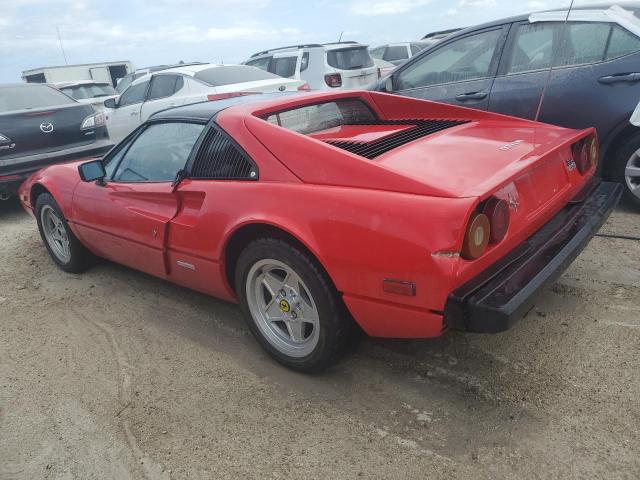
503 67
39 126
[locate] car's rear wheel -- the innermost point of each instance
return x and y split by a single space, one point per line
626 170
291 306
63 246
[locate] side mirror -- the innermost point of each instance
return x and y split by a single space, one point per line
92 171
388 84
111 103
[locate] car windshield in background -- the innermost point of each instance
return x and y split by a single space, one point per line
314 118
82 92
30 97
349 58
218 76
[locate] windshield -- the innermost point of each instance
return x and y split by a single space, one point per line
218 76
30 97
350 58
82 92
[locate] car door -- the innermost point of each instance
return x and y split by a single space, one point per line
524 69
459 71
123 119
165 91
596 82
126 218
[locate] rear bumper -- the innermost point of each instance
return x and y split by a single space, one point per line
17 170
505 292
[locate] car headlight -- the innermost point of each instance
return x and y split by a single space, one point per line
93 121
4 139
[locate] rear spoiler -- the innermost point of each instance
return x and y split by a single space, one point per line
615 14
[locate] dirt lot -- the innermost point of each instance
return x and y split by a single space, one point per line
117 375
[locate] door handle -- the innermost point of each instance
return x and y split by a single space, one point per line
471 96
623 77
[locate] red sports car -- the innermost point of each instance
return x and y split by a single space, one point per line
321 211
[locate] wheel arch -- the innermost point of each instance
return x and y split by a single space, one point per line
613 143
37 189
244 234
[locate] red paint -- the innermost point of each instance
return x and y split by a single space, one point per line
401 216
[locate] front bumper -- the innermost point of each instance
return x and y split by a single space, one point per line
14 171
505 292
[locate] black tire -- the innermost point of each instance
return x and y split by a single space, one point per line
618 166
336 326
80 258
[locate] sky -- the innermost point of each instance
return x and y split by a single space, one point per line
150 32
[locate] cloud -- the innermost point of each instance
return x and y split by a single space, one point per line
385 7
477 3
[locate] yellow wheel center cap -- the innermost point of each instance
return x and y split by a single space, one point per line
284 306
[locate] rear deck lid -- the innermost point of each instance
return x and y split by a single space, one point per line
38 119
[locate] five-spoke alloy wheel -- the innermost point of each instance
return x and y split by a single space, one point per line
290 305
63 246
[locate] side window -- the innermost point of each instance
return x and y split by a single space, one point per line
378 52
622 43
284 66
219 158
532 48
583 43
134 94
415 49
114 160
464 59
164 86
304 64
396 52
261 63
158 153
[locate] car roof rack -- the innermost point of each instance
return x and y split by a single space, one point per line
441 32
307 45
340 43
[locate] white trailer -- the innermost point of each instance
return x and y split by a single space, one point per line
106 72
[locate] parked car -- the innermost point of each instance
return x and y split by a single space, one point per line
88 92
187 84
40 126
331 65
397 53
313 211
102 72
503 67
128 79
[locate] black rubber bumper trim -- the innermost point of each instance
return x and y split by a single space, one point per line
494 300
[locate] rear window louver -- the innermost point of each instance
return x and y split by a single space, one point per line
421 128
220 158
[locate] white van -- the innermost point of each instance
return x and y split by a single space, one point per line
331 65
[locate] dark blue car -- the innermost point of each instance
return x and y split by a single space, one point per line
503 66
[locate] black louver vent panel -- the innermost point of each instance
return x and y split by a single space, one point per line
421 128
219 158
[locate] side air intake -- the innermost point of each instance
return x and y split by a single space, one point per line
421 128
221 159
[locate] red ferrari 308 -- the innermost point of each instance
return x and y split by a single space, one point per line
323 211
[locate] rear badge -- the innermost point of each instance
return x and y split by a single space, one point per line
46 127
509 146
282 88
571 164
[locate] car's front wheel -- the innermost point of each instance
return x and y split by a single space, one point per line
291 306
626 170
63 246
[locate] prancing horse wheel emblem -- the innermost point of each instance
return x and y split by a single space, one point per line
284 306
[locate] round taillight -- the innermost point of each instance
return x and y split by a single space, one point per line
581 155
497 211
477 236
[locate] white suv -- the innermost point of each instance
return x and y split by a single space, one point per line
332 65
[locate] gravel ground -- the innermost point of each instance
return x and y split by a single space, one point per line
117 375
